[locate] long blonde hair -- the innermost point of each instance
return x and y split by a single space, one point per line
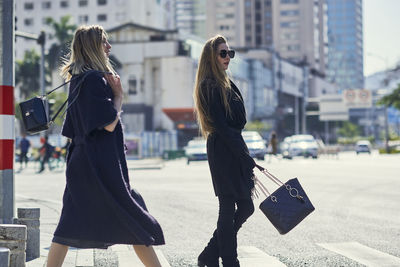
87 52
209 69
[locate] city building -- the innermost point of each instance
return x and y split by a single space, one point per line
190 16
31 16
345 53
295 29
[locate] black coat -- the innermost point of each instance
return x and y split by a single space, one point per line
230 164
99 206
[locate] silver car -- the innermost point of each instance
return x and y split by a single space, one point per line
255 143
299 145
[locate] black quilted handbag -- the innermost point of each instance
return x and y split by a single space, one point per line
287 206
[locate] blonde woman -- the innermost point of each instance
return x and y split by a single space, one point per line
221 116
99 207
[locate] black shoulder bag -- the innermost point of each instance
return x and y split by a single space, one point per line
33 111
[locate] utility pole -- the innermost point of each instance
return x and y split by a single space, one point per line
7 115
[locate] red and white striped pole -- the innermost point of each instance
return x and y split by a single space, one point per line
6 111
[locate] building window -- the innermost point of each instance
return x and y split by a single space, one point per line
267 3
289 13
289 24
289 1
28 6
102 2
83 2
64 4
28 22
102 17
293 47
46 5
83 19
132 85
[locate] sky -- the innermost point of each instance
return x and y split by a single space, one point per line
381 20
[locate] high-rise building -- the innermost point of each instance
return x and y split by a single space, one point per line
296 29
299 31
190 17
345 53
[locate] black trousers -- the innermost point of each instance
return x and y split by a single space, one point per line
232 214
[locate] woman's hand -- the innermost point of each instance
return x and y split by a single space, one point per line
115 82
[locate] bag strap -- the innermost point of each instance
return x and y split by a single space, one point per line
74 90
292 191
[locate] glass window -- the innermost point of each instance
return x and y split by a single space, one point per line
28 6
28 22
102 17
83 2
102 2
83 19
132 85
289 24
289 12
64 4
46 5
289 1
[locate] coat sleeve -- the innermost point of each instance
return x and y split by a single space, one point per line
97 108
230 137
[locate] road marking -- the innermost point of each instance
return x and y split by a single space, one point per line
362 254
70 259
126 256
84 258
253 257
161 258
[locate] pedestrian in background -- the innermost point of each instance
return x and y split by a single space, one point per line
24 146
272 145
221 115
99 207
45 151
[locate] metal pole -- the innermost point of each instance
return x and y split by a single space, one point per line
7 201
386 130
296 114
305 96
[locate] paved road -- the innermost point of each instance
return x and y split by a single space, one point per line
356 222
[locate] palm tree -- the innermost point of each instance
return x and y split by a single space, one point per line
63 32
27 73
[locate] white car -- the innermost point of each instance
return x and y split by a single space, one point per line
363 146
255 143
299 145
196 149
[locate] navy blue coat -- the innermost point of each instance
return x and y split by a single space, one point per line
99 206
230 164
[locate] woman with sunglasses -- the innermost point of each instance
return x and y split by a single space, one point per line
221 116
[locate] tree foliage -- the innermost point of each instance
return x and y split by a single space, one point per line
63 32
349 129
27 73
391 100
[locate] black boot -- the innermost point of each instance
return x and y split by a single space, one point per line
209 256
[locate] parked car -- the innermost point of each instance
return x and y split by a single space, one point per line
255 143
196 149
363 146
299 145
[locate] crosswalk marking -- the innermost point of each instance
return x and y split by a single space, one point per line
362 254
254 257
39 262
161 258
84 258
126 256
70 259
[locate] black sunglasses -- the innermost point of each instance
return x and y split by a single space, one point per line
224 52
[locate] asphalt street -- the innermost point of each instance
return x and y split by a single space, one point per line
356 221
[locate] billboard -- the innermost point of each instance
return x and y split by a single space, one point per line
357 98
